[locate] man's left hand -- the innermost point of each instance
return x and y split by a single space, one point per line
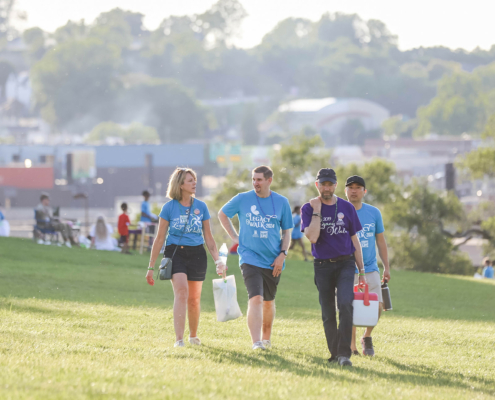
278 264
362 280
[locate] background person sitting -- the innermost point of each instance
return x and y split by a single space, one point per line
46 220
101 236
488 269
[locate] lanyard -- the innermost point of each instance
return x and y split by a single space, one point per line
336 209
273 205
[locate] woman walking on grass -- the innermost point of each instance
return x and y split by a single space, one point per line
186 220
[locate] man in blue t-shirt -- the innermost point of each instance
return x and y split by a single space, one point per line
146 214
331 224
372 233
262 251
297 235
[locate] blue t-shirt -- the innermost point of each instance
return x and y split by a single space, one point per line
296 232
488 272
260 221
1 216
372 223
177 215
145 208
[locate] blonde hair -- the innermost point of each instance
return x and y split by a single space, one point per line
176 180
101 228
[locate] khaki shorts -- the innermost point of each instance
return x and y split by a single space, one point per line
374 283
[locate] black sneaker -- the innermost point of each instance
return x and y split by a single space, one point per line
367 344
332 360
345 362
355 353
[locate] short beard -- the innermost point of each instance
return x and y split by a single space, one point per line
327 196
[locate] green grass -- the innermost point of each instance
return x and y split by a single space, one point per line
78 324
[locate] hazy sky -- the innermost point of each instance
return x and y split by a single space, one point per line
465 24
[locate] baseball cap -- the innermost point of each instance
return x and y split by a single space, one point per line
355 179
326 175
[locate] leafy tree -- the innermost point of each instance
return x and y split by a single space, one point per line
168 107
117 18
7 30
113 27
35 41
422 242
70 31
398 126
135 133
298 157
76 80
6 68
463 103
481 161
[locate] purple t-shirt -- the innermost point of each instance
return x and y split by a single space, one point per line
336 230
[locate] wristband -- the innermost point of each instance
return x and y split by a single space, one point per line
362 274
218 262
151 268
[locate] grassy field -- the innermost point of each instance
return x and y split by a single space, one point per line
78 324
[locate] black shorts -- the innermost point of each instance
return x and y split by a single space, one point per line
189 260
260 281
123 239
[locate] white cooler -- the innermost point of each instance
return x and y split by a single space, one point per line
366 306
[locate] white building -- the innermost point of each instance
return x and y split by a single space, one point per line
329 115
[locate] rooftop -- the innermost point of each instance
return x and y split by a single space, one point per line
307 105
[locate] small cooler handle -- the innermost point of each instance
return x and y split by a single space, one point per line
366 301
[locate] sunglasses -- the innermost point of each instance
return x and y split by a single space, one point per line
182 169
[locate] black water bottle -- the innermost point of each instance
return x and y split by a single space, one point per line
387 301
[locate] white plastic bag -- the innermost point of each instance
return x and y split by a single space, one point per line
225 295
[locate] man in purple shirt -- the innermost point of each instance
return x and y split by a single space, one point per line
331 223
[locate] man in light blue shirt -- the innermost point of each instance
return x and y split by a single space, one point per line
146 214
262 251
370 236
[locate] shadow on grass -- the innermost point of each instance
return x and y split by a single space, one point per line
318 367
8 305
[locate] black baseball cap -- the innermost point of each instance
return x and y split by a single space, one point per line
355 179
326 175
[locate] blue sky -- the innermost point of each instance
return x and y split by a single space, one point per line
417 23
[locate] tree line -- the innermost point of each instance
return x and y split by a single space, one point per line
115 70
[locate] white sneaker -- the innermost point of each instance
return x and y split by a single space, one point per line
195 341
258 345
267 344
68 245
179 343
47 242
40 241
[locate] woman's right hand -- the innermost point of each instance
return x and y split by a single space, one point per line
149 277
221 267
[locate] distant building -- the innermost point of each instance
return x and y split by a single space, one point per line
328 116
104 172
